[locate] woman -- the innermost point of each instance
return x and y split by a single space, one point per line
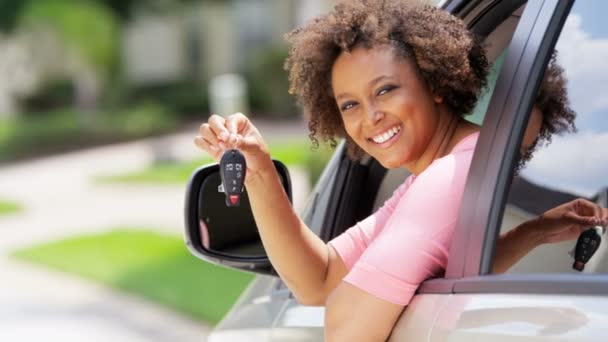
394 80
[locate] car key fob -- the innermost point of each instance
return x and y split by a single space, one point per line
586 245
232 172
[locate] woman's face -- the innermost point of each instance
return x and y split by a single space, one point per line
386 106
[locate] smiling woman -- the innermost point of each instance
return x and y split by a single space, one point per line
394 116
394 78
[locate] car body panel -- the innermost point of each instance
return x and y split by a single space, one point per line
256 309
417 322
516 317
299 323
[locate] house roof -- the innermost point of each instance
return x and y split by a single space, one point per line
536 199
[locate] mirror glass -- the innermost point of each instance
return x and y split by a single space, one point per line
230 231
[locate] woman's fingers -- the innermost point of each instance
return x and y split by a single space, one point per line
218 127
589 209
575 218
208 134
208 147
235 131
237 125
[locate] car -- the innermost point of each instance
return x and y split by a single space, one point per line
541 297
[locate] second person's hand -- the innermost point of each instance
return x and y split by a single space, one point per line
236 131
567 221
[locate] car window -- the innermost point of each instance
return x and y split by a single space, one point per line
573 165
484 100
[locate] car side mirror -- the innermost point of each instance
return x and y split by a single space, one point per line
221 234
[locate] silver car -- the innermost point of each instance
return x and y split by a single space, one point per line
541 298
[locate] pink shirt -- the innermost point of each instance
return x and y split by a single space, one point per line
407 240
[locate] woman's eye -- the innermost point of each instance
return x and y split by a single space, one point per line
347 106
385 90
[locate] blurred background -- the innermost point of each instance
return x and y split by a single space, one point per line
99 103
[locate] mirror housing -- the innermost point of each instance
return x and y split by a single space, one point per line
221 234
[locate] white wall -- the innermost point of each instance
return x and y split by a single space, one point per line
154 50
546 258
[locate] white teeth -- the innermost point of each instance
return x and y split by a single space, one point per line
380 138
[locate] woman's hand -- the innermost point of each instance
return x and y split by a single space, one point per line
567 221
236 131
562 223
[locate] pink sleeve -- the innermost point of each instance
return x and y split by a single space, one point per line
351 244
414 243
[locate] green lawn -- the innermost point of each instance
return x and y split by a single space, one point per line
149 264
296 152
8 208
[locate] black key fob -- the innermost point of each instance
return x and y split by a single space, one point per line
586 245
232 172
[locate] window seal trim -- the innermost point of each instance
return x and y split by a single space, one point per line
474 209
510 131
532 283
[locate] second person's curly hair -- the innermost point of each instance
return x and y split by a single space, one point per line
552 101
448 57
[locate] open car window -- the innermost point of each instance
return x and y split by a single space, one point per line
574 164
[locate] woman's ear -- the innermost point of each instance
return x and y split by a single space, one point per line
438 99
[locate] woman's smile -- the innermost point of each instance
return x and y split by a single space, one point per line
387 137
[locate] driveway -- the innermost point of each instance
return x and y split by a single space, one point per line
61 200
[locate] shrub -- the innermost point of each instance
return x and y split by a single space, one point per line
268 84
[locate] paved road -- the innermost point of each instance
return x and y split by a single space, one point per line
61 200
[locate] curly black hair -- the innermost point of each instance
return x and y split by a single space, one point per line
552 101
448 56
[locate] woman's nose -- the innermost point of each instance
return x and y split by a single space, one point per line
373 115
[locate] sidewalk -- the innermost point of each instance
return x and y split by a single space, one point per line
61 200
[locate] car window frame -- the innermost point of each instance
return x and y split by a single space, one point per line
480 280
484 199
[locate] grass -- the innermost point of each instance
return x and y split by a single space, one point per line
146 263
296 152
177 173
8 208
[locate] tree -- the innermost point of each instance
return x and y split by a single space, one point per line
89 32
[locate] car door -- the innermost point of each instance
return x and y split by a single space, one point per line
541 298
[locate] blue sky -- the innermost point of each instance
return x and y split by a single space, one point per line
578 163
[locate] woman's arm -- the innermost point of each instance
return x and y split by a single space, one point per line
513 245
352 314
562 223
308 266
